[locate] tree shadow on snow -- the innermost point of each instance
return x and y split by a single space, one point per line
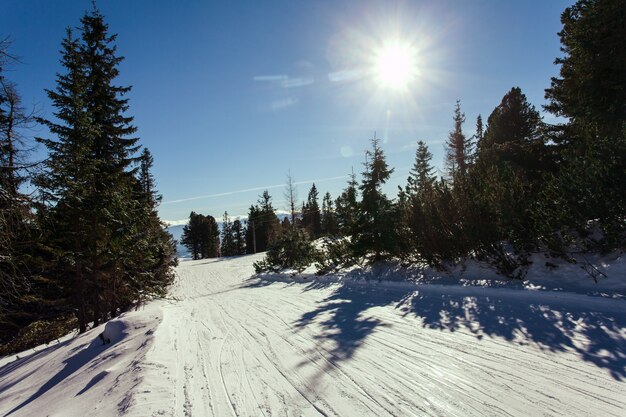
590 330
83 354
346 326
587 326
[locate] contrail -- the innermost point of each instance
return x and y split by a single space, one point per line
247 190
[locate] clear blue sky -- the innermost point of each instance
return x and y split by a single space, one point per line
229 96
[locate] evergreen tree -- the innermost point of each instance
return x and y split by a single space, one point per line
201 236
411 206
69 179
239 237
94 204
591 88
311 216
227 239
421 177
513 134
262 224
374 232
346 208
328 220
191 235
150 250
591 93
458 148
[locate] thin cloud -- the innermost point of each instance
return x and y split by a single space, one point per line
247 190
270 78
296 82
345 76
283 104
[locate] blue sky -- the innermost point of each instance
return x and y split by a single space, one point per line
229 96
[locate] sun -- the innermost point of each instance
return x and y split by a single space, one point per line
395 65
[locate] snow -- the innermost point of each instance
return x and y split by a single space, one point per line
227 343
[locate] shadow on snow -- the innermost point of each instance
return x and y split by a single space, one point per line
83 354
592 330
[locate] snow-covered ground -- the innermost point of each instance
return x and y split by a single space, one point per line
227 344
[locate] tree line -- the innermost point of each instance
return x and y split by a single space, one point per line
515 186
87 244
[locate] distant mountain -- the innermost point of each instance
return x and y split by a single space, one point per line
177 232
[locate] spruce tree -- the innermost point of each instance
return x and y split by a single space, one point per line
458 148
191 235
421 176
69 178
239 237
311 216
374 231
590 92
227 239
346 207
94 202
328 220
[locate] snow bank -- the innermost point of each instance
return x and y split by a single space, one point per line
544 274
80 376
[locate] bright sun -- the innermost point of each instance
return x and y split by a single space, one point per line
395 65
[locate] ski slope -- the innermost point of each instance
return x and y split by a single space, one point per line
230 345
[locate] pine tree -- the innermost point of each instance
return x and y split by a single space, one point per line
458 148
346 207
328 220
93 202
69 177
150 250
263 225
239 237
227 238
421 177
591 88
591 93
201 236
412 201
311 216
374 232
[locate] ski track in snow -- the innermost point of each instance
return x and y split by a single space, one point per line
230 345
280 349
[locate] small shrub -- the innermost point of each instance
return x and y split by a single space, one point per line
335 255
38 333
293 250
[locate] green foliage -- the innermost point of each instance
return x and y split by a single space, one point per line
104 238
292 250
311 214
38 333
374 233
201 236
585 199
346 208
458 148
335 254
263 225
329 226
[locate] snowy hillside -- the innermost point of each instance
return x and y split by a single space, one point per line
227 344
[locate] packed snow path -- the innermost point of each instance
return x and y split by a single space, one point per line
244 347
226 344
